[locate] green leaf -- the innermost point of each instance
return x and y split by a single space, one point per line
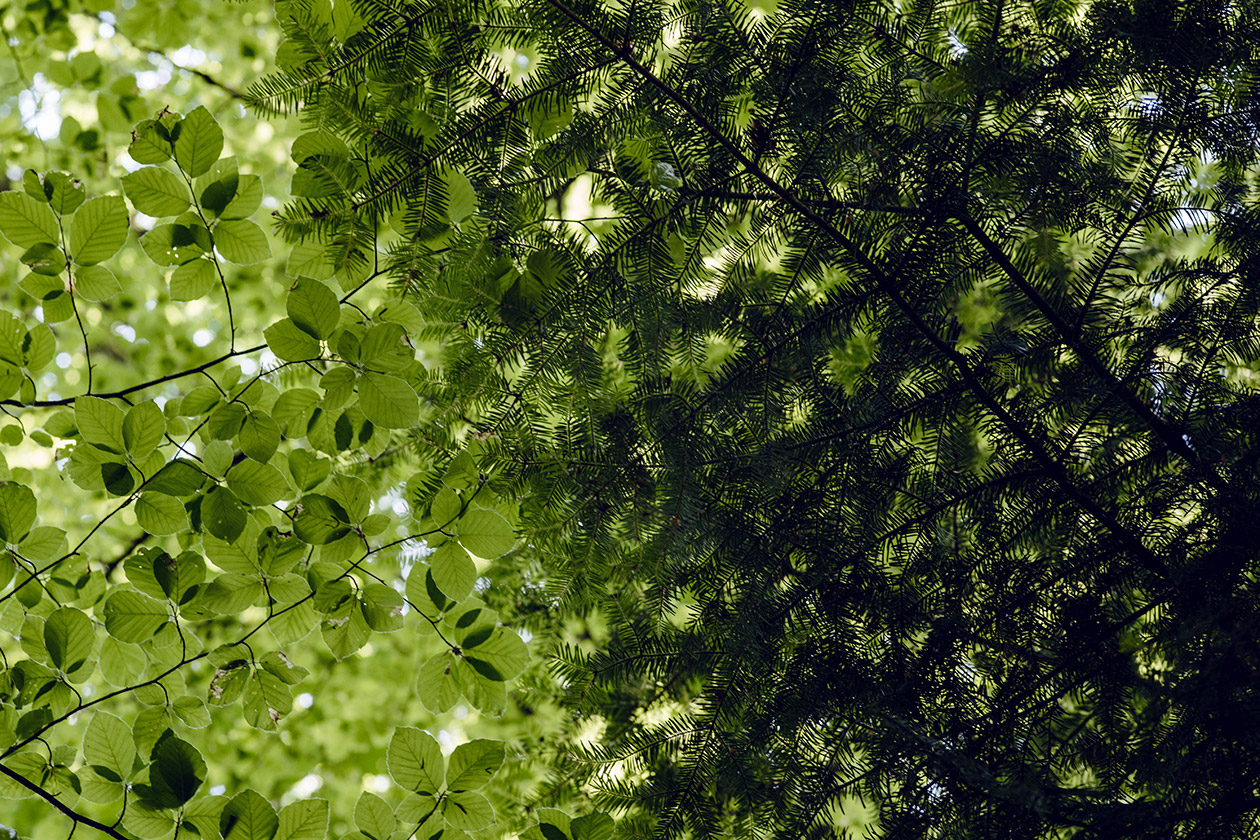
43 543
385 348
173 244
313 307
231 593
241 241
107 743
143 429
248 817
160 514
388 401
177 772
99 230
64 192
259 436
500 657
133 617
194 279
320 520
199 142
96 283
292 412
473 764
553 824
461 201
100 422
266 701
374 816
257 483
17 511
222 514
485 533
306 819
453 570
290 343
346 630
149 821
436 686
70 640
247 199
156 191
467 810
415 760
151 140
382 608
226 421
592 827
26 222
180 477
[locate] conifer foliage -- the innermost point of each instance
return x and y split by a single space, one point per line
856 402
893 402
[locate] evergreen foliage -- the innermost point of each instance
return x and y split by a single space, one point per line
856 401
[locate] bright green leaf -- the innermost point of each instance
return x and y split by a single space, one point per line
17 511
415 760
241 241
26 222
248 816
199 142
160 514
70 639
388 401
473 764
313 308
290 343
222 514
257 483
485 533
156 191
99 229
133 617
194 279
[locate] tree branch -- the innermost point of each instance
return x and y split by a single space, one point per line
61 806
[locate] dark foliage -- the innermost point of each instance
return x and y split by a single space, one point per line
897 414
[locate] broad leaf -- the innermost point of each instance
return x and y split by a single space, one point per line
290 343
17 511
177 772
415 760
70 639
473 764
99 230
26 222
222 514
313 308
485 533
241 241
108 745
199 143
306 819
248 817
156 191
388 401
257 483
133 617
160 514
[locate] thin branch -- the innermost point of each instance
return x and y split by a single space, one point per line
61 806
143 385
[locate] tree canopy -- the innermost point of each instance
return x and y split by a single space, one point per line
709 418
